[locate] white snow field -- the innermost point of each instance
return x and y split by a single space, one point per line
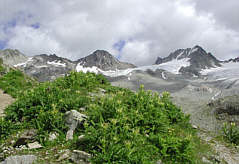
171 66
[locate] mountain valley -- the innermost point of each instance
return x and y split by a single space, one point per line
201 85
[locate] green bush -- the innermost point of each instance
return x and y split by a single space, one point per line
231 133
45 104
122 126
136 128
14 82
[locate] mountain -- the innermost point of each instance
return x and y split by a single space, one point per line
195 59
46 67
104 61
12 57
233 60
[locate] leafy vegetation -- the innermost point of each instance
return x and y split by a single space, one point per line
231 133
122 126
14 81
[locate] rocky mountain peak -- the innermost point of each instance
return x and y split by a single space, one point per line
104 61
12 57
197 57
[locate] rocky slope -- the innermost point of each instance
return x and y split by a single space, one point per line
46 67
12 57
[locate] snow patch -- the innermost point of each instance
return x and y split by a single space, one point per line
171 66
179 55
226 71
93 69
193 50
57 63
23 64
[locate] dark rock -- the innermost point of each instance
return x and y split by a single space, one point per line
226 108
159 60
229 105
26 137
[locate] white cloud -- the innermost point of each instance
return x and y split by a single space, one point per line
32 42
152 28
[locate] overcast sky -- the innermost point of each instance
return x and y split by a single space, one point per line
136 31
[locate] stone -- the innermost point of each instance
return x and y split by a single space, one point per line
81 137
80 157
194 127
73 118
102 90
69 134
24 159
65 155
206 161
82 109
34 145
25 137
53 136
159 162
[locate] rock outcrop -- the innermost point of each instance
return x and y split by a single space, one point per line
24 159
73 119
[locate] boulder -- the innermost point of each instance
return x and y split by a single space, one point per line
80 157
25 137
34 145
73 118
53 136
24 159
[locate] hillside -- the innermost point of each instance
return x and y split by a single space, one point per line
110 123
81 117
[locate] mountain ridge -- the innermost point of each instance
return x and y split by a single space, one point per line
197 57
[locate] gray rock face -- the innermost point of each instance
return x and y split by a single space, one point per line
24 159
226 108
12 57
47 67
73 119
199 59
103 60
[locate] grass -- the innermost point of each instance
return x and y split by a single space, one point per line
122 126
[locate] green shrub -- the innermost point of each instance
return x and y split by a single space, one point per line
45 105
136 128
14 82
122 126
7 127
231 133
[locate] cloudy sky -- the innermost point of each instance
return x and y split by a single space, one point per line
135 31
